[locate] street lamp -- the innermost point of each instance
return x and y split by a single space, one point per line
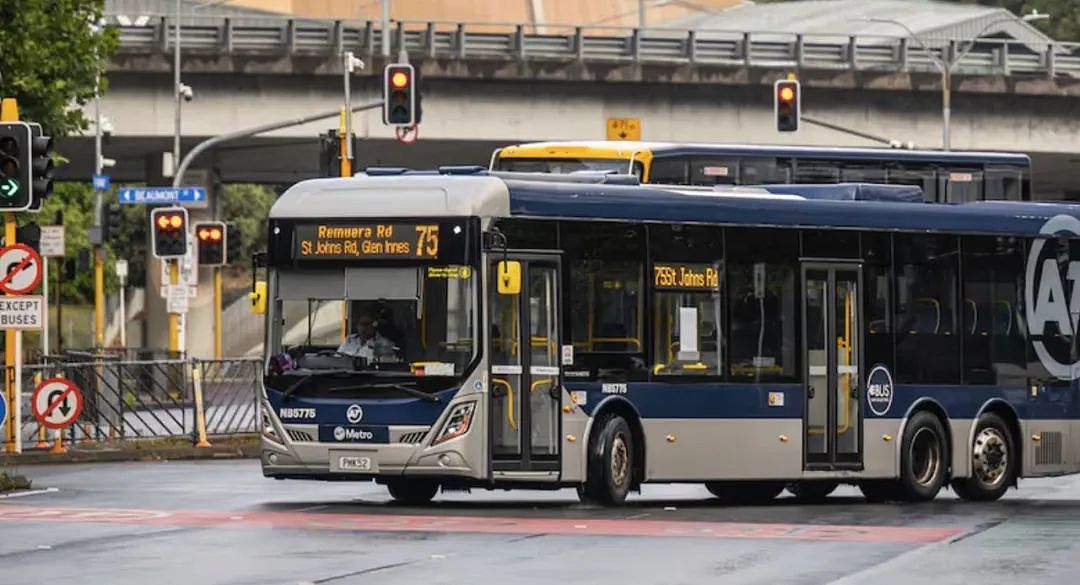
946 68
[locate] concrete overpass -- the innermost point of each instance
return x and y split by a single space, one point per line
485 89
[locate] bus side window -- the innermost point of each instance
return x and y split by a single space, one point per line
994 345
960 185
1003 183
764 171
924 177
604 314
927 340
668 171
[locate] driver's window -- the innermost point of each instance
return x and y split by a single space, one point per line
311 322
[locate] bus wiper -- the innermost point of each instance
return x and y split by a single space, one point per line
401 387
297 384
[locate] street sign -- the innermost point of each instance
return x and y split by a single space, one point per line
180 195
101 182
20 269
57 402
121 269
176 299
22 312
52 240
623 129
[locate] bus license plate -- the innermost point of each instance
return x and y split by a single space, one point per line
355 463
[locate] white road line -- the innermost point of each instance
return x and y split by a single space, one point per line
29 493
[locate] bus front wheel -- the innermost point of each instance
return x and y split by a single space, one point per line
610 463
924 461
993 461
412 491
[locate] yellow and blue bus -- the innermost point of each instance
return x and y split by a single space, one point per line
943 176
510 330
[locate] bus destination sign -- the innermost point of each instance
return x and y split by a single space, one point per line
677 275
335 241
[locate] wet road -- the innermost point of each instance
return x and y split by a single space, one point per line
221 522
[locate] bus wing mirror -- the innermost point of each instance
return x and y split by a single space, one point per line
258 297
508 273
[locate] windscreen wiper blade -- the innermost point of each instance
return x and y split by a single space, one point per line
297 384
402 387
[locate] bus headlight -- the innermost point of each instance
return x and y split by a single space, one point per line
457 423
268 429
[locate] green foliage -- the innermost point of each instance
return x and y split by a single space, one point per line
247 206
47 59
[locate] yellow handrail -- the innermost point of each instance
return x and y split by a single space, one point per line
509 400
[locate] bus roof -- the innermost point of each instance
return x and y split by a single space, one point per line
481 194
623 149
651 203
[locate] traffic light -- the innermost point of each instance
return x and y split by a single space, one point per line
210 239
113 219
15 166
41 166
786 102
170 232
232 242
400 101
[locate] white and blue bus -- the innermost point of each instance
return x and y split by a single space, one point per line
463 328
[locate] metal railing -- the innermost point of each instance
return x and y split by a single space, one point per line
125 399
272 37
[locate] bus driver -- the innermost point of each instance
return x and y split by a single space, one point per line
365 341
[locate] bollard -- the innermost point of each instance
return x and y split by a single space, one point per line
200 416
58 447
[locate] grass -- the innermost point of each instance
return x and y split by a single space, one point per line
11 481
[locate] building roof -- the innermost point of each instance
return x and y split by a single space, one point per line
928 19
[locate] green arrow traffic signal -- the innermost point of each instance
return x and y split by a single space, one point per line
9 187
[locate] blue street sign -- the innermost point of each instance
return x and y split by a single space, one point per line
162 194
101 182
3 410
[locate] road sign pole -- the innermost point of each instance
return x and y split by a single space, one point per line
217 312
45 306
11 357
174 277
99 297
15 423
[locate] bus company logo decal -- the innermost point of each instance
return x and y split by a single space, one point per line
879 390
1045 299
354 413
297 413
352 434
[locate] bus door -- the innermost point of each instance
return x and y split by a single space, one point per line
832 334
525 376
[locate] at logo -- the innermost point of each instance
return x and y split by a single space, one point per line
1051 307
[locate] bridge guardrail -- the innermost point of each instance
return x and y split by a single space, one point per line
569 44
131 400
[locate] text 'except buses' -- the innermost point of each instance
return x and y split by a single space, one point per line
382 240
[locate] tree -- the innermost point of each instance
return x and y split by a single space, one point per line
52 55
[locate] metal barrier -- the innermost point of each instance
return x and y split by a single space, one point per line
276 37
130 400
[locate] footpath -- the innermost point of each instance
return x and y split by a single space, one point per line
239 447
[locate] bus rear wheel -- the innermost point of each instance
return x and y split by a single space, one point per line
412 491
993 461
745 492
924 458
610 463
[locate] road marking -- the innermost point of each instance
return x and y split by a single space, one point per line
29 493
480 524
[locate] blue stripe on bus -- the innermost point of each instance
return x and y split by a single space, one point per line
376 411
727 401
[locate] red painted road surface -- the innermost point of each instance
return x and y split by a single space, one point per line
479 525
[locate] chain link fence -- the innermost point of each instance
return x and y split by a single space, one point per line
129 399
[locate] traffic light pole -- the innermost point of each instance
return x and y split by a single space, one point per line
11 355
178 180
217 312
174 318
